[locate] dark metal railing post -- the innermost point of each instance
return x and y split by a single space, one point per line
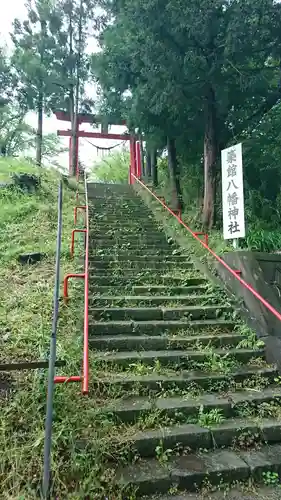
52 359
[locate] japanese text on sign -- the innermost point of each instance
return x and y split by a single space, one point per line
232 193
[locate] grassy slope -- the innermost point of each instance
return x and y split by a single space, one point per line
83 435
29 223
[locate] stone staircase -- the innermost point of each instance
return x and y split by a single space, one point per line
176 369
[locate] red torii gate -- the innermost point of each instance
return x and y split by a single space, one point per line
135 149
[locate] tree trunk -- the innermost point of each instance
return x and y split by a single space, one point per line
154 167
40 102
75 137
71 98
142 157
39 133
177 202
210 158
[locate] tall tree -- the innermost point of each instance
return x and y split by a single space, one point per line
78 19
33 58
208 74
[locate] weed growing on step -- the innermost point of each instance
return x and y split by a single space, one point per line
140 368
154 420
162 454
258 362
247 439
271 478
250 341
215 363
210 418
256 382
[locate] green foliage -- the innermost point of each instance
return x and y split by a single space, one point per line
263 240
34 55
271 478
209 418
113 169
19 209
198 77
15 135
8 166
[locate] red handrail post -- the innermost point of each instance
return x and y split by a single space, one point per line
66 280
178 212
206 237
73 239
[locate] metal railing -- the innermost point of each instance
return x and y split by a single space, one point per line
234 273
52 379
52 357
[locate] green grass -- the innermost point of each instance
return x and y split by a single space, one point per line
9 166
29 223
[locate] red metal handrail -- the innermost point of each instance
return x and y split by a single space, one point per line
234 273
85 369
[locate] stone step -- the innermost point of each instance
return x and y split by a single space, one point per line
158 313
126 231
143 259
127 217
183 380
199 290
101 206
132 225
190 472
141 279
110 210
135 273
244 492
113 215
157 327
151 300
141 246
133 342
131 409
185 358
129 238
121 200
134 253
195 436
157 265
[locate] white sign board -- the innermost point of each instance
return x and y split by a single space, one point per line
232 193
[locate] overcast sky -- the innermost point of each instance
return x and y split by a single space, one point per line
88 154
